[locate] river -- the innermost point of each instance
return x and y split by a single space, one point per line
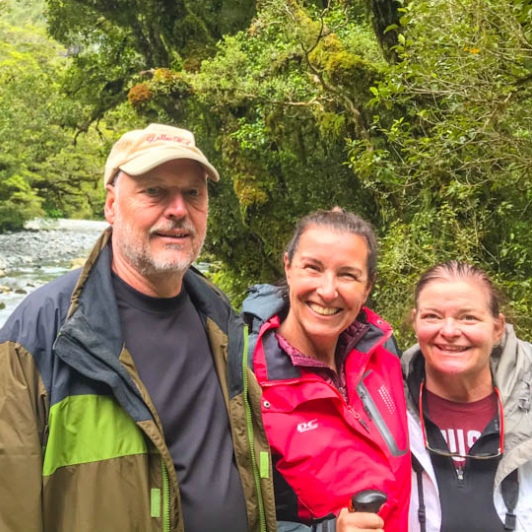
43 251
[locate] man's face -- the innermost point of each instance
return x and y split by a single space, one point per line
159 219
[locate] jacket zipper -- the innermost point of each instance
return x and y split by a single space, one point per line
166 498
356 415
249 422
374 414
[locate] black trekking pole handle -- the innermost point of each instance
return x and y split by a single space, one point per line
367 501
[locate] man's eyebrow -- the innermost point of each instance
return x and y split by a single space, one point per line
142 179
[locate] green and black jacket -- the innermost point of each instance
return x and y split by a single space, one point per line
81 446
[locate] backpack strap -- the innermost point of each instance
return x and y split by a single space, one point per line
421 512
510 495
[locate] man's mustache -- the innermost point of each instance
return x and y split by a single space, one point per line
173 226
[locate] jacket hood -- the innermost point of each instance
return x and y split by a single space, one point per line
263 302
511 365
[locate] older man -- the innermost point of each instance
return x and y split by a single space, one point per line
124 401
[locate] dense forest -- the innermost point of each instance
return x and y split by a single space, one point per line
413 114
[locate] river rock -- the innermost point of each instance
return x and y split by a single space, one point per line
44 250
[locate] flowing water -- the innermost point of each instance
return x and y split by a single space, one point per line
43 251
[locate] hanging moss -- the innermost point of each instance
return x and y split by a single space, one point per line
139 95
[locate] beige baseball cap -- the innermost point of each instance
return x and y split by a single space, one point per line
142 150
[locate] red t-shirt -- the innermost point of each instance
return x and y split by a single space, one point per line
461 424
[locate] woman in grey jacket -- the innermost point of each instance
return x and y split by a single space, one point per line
469 393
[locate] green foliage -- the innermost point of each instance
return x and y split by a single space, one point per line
116 45
453 136
23 12
413 114
438 140
18 203
275 103
43 167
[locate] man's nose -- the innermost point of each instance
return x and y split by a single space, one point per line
176 206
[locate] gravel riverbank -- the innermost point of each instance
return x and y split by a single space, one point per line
44 250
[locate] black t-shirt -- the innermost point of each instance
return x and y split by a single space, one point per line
170 348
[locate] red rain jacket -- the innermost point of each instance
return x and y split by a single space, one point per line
325 449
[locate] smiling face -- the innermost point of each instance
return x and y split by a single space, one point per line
159 222
456 329
328 284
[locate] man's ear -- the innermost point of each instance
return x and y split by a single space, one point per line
110 200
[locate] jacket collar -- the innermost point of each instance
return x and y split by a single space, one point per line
90 341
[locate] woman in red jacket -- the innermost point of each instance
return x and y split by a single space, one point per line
333 401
